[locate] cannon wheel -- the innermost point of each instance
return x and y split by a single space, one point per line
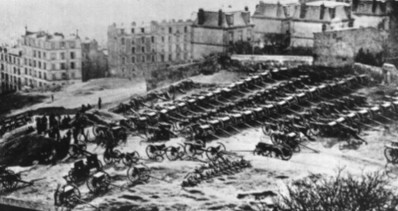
12 183
391 155
151 152
173 153
72 177
286 152
191 150
266 129
99 186
131 158
213 152
136 176
72 199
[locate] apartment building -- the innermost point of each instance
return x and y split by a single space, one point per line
372 13
50 60
135 49
11 74
215 30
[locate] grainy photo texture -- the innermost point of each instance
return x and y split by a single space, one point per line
190 105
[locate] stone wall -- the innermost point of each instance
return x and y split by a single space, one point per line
339 48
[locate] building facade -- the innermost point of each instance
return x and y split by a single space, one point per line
372 13
136 49
11 70
50 60
215 31
318 16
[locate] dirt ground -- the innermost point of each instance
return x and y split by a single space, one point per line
217 194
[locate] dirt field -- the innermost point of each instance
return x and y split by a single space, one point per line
217 194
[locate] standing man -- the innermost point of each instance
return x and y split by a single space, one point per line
99 102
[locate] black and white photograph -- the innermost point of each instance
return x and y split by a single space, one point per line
197 105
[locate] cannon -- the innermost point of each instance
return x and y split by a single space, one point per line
270 150
157 152
140 173
68 196
116 156
9 179
193 149
82 170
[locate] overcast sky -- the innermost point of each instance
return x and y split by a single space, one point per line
92 17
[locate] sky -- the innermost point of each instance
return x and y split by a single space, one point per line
92 17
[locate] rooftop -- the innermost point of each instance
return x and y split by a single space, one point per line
329 4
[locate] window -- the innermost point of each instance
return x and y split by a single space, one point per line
323 27
44 65
34 63
53 67
133 42
143 59
26 71
72 65
62 55
170 57
39 74
186 29
39 54
143 49
143 30
133 59
53 56
54 76
153 58
45 76
162 39
39 64
72 55
44 55
133 50
62 44
170 30
153 39
162 58
122 31
142 39
122 40
123 60
63 67
73 75
132 31
72 44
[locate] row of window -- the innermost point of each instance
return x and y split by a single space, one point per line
53 55
152 58
49 45
170 30
9 58
152 39
43 65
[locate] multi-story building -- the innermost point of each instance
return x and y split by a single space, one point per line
374 13
11 74
136 49
318 16
215 31
271 18
50 60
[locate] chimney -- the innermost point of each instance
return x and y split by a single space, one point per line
220 18
246 8
201 16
